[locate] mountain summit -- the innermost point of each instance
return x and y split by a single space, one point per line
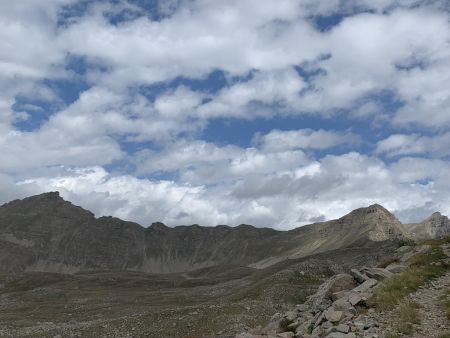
47 233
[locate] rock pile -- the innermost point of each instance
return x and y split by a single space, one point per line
334 310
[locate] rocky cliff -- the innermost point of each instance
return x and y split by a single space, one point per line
435 226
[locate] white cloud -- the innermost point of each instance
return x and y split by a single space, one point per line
200 162
400 48
414 144
327 189
305 139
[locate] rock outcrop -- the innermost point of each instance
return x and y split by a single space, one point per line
435 226
339 307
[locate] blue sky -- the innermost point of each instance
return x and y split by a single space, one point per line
276 114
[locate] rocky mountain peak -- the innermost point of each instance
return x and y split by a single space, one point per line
436 215
374 211
436 225
376 221
158 226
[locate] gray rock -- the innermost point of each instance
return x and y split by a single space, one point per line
333 315
396 268
404 249
356 299
302 307
286 335
343 328
367 285
291 316
341 335
323 297
378 273
342 304
320 319
302 330
293 326
358 276
317 332
327 325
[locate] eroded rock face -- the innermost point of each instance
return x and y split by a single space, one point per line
437 225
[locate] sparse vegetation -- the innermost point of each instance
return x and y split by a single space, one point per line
406 242
392 335
408 316
387 261
424 267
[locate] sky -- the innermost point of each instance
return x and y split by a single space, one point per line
275 113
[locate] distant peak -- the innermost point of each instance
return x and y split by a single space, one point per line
159 226
377 207
374 209
51 195
245 226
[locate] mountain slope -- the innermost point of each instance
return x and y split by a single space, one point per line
46 233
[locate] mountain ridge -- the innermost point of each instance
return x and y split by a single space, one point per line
46 233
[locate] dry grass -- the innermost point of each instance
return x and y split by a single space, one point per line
408 316
387 261
424 267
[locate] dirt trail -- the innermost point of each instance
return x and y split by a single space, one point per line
431 299
432 312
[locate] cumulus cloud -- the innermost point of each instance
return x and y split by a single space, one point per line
399 144
376 73
305 139
322 189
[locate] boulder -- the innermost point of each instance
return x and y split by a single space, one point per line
341 335
396 268
366 286
302 308
323 297
343 328
286 335
327 325
317 332
342 305
320 319
293 326
358 276
291 316
356 299
333 315
378 273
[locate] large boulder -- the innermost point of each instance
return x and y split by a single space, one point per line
322 299
396 268
358 276
333 315
377 273
366 286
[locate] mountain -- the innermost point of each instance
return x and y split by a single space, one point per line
437 225
46 233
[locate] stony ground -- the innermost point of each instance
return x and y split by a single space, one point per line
215 302
433 316
351 305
